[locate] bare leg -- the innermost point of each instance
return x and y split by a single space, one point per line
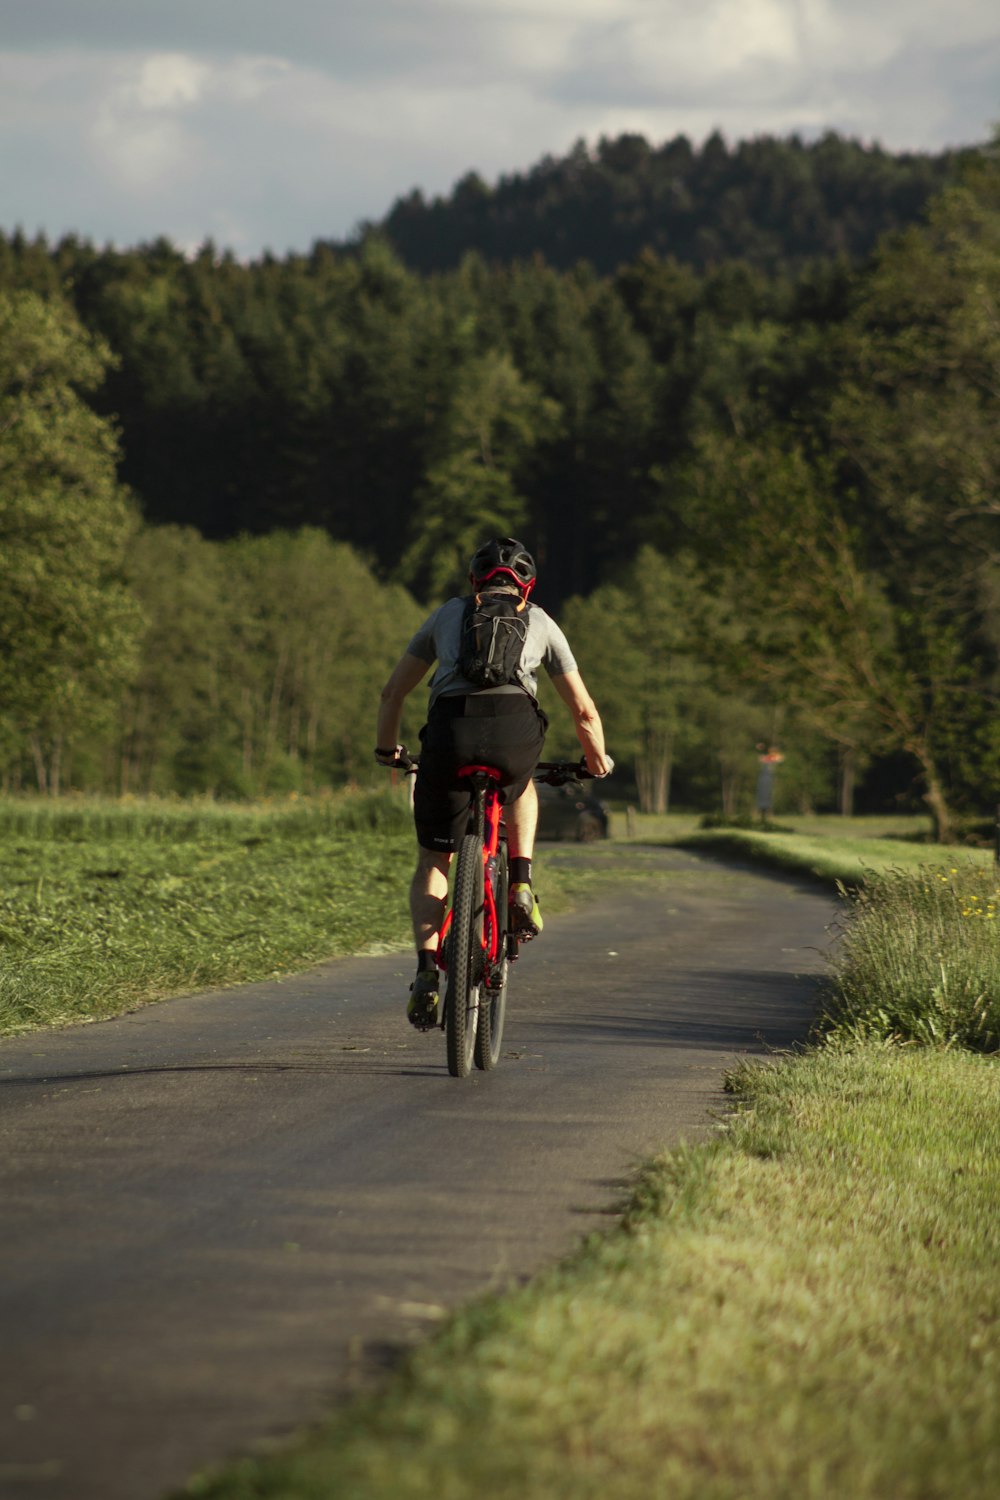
521 818
428 897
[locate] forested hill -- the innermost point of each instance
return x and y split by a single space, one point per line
774 203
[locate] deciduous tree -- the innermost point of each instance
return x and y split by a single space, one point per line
68 623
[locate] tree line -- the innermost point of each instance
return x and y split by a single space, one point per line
775 493
774 203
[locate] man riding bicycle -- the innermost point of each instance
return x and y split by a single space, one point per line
472 725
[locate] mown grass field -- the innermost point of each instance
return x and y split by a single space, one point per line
108 905
105 906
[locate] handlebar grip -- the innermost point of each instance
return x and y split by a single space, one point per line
561 772
402 760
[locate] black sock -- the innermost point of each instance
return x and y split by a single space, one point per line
426 960
520 870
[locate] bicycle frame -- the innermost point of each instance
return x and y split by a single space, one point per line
486 818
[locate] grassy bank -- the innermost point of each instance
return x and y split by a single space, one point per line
807 1308
830 856
826 847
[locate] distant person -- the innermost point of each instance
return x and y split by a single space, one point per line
768 759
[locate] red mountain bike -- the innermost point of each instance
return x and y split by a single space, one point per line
476 945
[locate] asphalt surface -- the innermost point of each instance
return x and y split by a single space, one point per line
223 1212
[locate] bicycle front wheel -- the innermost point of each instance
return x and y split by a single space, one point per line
465 959
493 993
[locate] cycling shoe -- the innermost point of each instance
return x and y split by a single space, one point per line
525 917
424 1004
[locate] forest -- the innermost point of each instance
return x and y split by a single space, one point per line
773 203
761 486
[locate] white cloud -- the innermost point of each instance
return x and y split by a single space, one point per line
662 62
714 41
137 133
168 80
896 26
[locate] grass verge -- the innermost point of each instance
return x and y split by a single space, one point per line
849 860
806 1308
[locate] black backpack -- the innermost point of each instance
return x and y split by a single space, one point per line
494 629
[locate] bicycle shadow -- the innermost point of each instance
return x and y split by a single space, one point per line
247 1069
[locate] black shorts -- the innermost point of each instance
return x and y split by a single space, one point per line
506 730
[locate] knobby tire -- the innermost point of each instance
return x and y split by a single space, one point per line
493 997
465 958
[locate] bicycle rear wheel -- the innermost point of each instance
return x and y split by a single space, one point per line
493 993
465 958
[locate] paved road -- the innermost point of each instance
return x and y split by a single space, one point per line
222 1211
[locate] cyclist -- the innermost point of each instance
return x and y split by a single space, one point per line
501 727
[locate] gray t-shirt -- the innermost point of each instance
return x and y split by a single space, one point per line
440 637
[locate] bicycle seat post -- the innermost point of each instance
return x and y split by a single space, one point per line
480 778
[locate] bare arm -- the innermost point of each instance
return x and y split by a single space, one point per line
587 721
406 674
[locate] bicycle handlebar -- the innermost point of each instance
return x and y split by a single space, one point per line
560 772
550 772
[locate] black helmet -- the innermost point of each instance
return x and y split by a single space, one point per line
503 554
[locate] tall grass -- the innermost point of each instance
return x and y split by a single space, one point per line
919 958
101 821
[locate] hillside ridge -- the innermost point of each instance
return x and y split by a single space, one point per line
773 202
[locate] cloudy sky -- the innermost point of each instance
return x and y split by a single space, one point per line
271 123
